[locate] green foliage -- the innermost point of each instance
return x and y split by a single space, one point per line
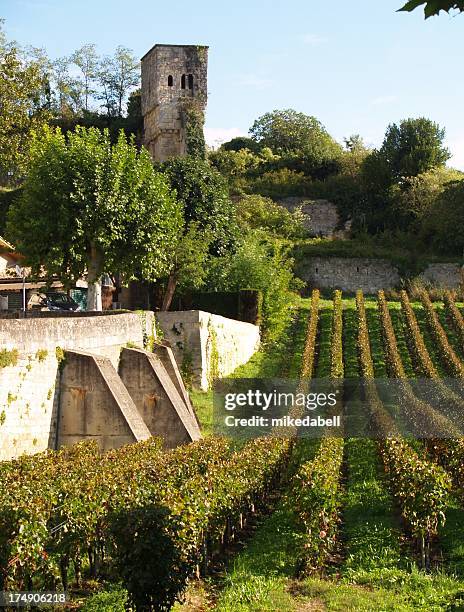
7 197
258 212
451 361
60 357
89 205
336 344
309 351
21 110
413 147
418 195
287 130
455 315
282 183
159 544
301 140
433 7
315 498
256 264
203 193
241 142
111 599
194 119
442 225
8 358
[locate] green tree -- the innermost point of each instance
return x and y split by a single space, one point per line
261 265
301 140
241 142
21 109
87 60
442 225
119 75
433 7
88 207
419 194
412 147
207 208
68 93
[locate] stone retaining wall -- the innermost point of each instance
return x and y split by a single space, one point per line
29 390
208 346
371 275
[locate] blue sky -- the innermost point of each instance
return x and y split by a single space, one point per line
356 66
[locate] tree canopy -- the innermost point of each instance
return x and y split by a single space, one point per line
209 222
410 148
433 7
22 108
91 207
288 130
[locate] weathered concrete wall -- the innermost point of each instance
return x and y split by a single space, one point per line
323 218
208 346
95 405
156 397
29 394
371 275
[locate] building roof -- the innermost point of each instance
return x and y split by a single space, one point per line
5 245
180 46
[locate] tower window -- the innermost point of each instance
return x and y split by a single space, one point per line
182 82
190 81
170 81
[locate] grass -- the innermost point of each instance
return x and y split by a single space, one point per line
279 359
431 345
322 369
397 321
451 334
375 337
350 338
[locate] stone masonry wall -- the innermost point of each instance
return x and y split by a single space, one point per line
163 97
206 345
370 275
29 390
323 218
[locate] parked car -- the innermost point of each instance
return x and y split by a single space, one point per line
52 300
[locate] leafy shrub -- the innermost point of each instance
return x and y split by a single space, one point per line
258 212
259 265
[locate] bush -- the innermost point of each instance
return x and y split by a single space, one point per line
259 265
258 212
282 183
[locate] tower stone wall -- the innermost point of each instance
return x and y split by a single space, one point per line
174 79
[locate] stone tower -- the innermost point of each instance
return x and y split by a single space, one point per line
174 82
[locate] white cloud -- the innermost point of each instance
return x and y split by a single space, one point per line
314 40
216 136
384 100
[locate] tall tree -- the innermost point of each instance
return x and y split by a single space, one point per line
414 146
91 208
288 130
209 221
120 74
86 59
301 140
21 110
68 89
